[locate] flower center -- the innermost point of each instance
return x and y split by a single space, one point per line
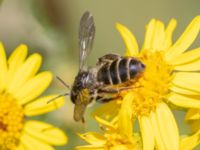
11 122
153 84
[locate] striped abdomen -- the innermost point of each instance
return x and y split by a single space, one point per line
120 70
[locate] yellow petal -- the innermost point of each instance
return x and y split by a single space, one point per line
181 90
194 125
192 114
187 57
158 36
45 133
184 101
104 123
147 133
185 40
25 72
30 143
168 128
191 66
40 105
137 140
20 147
34 87
107 110
165 128
129 40
120 147
19 52
125 122
93 138
3 68
193 119
190 142
16 59
150 29
89 147
190 81
156 131
168 34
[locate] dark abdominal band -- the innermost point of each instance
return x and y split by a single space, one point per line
119 71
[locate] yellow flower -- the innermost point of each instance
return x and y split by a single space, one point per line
171 78
20 86
111 138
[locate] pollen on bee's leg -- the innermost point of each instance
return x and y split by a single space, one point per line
79 110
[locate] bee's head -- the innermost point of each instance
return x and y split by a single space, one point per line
80 95
79 85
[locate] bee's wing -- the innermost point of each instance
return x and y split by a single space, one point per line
86 37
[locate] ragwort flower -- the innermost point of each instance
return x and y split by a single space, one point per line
171 78
20 86
112 138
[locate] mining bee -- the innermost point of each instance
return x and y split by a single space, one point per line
106 80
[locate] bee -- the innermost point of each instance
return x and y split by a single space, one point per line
96 83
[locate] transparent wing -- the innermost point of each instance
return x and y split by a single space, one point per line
86 37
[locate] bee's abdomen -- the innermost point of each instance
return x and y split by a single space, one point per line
104 75
119 70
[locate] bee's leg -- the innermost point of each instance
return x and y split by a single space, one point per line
114 94
106 94
106 99
107 58
108 91
114 90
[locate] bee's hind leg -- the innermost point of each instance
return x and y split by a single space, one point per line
114 94
106 99
114 90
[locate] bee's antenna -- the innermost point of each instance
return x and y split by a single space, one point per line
61 95
66 85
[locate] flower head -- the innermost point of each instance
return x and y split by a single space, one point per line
20 86
112 138
171 77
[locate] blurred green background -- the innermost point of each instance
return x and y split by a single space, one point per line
50 27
